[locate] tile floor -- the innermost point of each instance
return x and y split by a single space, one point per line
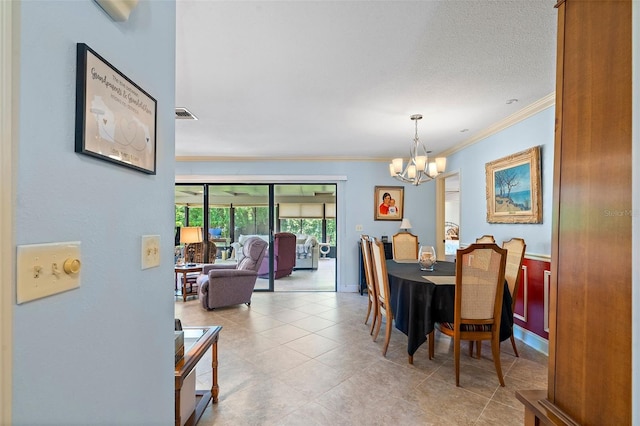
305 358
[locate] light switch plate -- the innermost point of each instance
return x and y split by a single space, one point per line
150 251
46 269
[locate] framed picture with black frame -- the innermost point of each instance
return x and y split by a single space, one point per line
115 118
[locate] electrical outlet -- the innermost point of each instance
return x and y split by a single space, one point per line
46 269
150 251
359 228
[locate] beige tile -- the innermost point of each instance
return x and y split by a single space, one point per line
313 414
267 402
284 333
312 345
289 315
307 358
313 323
277 360
312 378
313 308
454 404
496 414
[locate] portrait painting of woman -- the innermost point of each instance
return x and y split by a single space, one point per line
389 202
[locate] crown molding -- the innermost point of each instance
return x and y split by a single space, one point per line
515 118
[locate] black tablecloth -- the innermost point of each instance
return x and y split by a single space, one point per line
418 304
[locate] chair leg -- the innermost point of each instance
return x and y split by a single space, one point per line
378 322
411 359
387 336
513 343
456 358
478 344
368 312
374 319
495 349
432 344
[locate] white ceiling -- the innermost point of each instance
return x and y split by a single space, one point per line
339 79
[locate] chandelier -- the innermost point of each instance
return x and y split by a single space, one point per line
418 170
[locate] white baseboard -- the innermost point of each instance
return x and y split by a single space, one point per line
531 339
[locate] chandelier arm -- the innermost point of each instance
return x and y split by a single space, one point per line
418 155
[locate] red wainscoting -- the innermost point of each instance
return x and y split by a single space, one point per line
532 302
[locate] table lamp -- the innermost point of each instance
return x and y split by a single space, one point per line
190 235
405 225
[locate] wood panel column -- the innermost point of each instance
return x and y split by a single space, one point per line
590 311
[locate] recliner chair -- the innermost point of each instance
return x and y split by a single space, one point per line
284 252
231 284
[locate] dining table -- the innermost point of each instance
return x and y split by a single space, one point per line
419 299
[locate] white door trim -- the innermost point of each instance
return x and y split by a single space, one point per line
7 191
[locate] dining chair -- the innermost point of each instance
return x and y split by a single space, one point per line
372 306
486 239
382 294
405 246
477 303
480 262
515 254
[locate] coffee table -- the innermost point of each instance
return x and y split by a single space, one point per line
184 270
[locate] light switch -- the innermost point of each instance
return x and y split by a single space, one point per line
47 269
359 228
150 251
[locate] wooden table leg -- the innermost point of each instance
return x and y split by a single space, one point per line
177 407
214 371
184 286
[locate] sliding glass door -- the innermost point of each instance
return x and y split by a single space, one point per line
231 213
308 212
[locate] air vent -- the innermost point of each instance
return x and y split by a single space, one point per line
184 114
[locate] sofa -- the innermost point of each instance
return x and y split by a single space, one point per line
307 252
231 284
284 256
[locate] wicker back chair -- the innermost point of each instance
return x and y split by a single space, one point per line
372 306
478 302
405 246
515 254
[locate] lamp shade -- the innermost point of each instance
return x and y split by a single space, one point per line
190 234
405 224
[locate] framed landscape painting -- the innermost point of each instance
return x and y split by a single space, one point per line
514 188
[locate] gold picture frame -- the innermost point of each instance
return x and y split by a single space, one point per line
388 203
514 192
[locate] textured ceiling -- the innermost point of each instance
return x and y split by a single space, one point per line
339 79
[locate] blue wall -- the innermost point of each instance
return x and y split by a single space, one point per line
355 203
103 353
355 192
470 162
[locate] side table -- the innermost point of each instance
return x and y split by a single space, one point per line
184 270
196 342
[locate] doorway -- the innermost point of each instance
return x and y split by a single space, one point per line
235 212
448 222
